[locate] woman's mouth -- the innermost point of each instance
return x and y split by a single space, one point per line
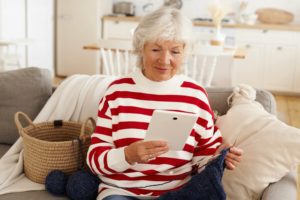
163 69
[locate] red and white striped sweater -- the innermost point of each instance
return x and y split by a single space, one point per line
123 118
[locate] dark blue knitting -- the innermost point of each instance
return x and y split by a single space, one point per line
82 185
206 185
55 182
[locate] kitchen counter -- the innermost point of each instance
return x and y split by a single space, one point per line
238 53
287 27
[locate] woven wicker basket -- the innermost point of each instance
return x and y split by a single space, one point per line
54 145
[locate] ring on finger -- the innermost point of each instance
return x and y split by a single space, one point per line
147 158
151 157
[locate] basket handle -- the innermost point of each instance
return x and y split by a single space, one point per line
84 136
18 123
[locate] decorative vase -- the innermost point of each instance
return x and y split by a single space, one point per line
218 37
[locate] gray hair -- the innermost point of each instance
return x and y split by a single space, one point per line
166 23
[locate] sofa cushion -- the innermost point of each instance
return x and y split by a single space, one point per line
218 99
24 90
32 195
271 148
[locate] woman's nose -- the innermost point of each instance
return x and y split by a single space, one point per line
166 58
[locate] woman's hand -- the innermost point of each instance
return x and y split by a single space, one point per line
233 157
144 151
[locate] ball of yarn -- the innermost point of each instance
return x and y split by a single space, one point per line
82 185
56 182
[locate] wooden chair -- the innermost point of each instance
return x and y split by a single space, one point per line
116 56
10 56
201 63
117 59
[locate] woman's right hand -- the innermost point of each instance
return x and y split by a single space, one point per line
144 151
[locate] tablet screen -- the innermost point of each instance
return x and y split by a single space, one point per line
173 127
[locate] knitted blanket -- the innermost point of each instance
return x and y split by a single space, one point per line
75 99
205 185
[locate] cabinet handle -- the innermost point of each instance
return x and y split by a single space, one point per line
265 30
279 48
116 22
248 46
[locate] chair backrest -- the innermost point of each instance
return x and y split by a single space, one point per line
202 61
117 57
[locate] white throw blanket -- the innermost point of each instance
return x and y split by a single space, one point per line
75 99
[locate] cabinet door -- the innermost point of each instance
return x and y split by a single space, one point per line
296 86
77 25
114 29
280 67
250 70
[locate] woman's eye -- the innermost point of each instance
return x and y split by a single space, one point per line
176 52
155 50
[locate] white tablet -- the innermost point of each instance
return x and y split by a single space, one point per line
173 127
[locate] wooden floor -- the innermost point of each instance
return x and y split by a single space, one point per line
288 110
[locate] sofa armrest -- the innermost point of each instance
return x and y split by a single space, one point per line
286 188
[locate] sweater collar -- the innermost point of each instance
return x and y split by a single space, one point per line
140 79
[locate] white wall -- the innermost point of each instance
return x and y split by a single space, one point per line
40 27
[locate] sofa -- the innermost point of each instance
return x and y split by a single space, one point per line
29 89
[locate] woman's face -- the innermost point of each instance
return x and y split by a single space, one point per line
162 59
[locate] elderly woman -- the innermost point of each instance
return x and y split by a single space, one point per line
128 166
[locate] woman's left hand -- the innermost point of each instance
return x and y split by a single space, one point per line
233 157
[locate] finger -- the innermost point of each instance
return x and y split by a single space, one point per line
229 165
147 158
158 150
233 161
234 157
144 158
236 151
155 143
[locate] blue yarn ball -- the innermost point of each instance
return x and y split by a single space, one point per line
56 182
82 185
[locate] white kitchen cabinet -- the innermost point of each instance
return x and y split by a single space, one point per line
249 70
296 85
280 67
115 29
271 59
77 24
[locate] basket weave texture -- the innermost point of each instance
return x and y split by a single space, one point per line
60 145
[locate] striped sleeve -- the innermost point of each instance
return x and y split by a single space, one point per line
102 157
207 136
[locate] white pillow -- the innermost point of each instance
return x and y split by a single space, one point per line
271 148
